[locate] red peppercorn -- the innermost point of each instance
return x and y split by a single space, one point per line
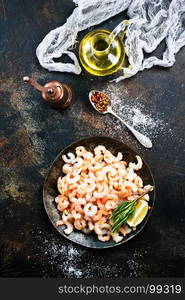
100 100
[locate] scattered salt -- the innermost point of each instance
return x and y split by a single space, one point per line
66 259
135 112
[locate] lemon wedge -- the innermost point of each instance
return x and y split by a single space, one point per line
140 213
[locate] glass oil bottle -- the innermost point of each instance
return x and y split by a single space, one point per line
101 53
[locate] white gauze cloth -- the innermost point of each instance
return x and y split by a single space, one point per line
150 22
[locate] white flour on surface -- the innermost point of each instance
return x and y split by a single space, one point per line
66 259
136 117
135 112
63 257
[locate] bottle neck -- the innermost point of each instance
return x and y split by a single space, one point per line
100 45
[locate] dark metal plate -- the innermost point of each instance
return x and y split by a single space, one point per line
50 189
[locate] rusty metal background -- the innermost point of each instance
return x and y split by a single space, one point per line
32 134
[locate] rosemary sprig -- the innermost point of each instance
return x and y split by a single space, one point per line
124 211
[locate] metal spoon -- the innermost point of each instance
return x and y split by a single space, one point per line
144 140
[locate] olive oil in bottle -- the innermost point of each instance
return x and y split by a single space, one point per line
101 53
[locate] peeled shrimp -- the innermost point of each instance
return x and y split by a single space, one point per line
147 187
119 156
76 215
59 223
88 196
76 170
105 226
62 184
95 168
89 219
97 229
72 187
102 190
104 238
66 215
72 180
131 175
110 205
60 199
115 184
101 175
139 164
129 184
108 157
62 205
99 158
127 229
145 197
72 195
66 168
122 172
90 225
99 150
90 185
78 162
116 237
138 181
80 224
88 155
80 150
90 210
69 228
112 197
70 159
110 170
78 208
99 204
123 231
82 188
80 201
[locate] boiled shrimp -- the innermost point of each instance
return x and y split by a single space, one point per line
137 166
116 237
69 227
70 159
72 180
80 151
62 184
67 168
109 205
99 150
80 224
90 209
104 238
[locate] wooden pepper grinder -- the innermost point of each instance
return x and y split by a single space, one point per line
58 94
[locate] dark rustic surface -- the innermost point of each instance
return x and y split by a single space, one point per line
32 134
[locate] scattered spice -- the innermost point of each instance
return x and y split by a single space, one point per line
100 100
